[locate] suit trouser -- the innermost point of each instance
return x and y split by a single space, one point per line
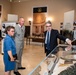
47 52
19 50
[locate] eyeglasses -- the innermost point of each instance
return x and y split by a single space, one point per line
12 31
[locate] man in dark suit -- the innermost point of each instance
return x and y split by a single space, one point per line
50 38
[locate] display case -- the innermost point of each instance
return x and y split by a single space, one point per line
61 63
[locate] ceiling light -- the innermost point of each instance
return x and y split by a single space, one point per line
10 0
19 0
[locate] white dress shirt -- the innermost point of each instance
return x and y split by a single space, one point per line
47 37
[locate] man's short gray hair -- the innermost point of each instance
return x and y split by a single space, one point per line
48 22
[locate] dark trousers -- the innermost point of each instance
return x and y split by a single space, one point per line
47 52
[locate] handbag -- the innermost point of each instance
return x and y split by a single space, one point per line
14 56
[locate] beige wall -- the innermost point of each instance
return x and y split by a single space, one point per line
56 9
6 9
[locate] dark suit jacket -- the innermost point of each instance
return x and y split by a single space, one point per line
53 39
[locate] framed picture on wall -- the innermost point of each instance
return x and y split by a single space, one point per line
39 19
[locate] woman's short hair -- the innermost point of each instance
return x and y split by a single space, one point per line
8 28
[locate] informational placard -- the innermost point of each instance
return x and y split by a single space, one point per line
68 20
12 17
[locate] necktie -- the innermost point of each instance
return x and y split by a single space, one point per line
48 41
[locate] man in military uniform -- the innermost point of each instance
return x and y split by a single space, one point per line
19 40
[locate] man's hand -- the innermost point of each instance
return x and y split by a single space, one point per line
69 41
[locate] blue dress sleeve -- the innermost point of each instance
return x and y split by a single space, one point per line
7 44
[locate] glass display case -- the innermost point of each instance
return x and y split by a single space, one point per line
55 64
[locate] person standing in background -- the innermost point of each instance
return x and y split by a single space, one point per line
50 38
19 40
9 50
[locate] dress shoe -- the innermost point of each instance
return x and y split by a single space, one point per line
17 73
21 68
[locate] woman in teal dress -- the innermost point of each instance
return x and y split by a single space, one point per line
9 50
